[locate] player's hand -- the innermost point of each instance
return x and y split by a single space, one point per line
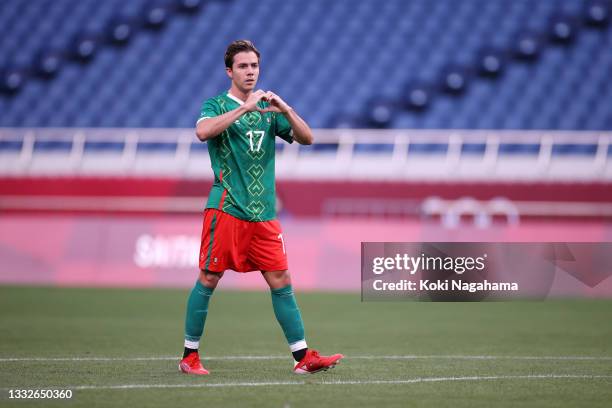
251 103
276 103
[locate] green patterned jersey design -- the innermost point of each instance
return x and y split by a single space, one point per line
242 159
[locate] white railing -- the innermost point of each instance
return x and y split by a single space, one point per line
338 154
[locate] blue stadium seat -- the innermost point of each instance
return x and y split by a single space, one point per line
562 28
380 113
10 145
121 29
84 46
103 147
155 16
597 13
48 63
454 79
490 62
528 46
160 78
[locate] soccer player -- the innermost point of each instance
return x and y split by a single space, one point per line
240 230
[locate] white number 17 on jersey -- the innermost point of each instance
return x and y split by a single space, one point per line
253 141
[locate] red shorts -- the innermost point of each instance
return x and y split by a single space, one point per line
231 243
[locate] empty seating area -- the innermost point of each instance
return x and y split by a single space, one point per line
424 64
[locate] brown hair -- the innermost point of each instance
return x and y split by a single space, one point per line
236 47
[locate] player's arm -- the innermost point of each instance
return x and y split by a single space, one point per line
301 131
212 127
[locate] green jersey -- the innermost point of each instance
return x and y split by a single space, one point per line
242 159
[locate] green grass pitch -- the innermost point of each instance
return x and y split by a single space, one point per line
119 347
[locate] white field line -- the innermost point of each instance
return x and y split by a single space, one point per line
286 357
336 382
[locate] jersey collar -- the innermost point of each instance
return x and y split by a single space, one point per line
234 98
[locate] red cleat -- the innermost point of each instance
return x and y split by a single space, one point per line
192 365
313 362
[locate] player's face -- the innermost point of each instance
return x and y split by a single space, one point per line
245 71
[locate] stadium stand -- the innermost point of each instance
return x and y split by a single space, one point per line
402 64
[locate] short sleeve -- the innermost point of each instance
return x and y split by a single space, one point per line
210 109
282 128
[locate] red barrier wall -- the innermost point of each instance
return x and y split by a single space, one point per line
299 198
162 251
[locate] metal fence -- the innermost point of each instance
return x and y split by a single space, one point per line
336 154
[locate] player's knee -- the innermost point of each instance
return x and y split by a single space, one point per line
210 279
278 279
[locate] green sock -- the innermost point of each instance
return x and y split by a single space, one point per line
197 309
288 315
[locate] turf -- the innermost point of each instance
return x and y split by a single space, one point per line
125 324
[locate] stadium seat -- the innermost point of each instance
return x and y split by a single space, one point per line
344 121
380 113
84 47
528 46
155 15
417 96
562 29
48 64
490 62
597 13
454 80
188 6
120 30
12 80
403 58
